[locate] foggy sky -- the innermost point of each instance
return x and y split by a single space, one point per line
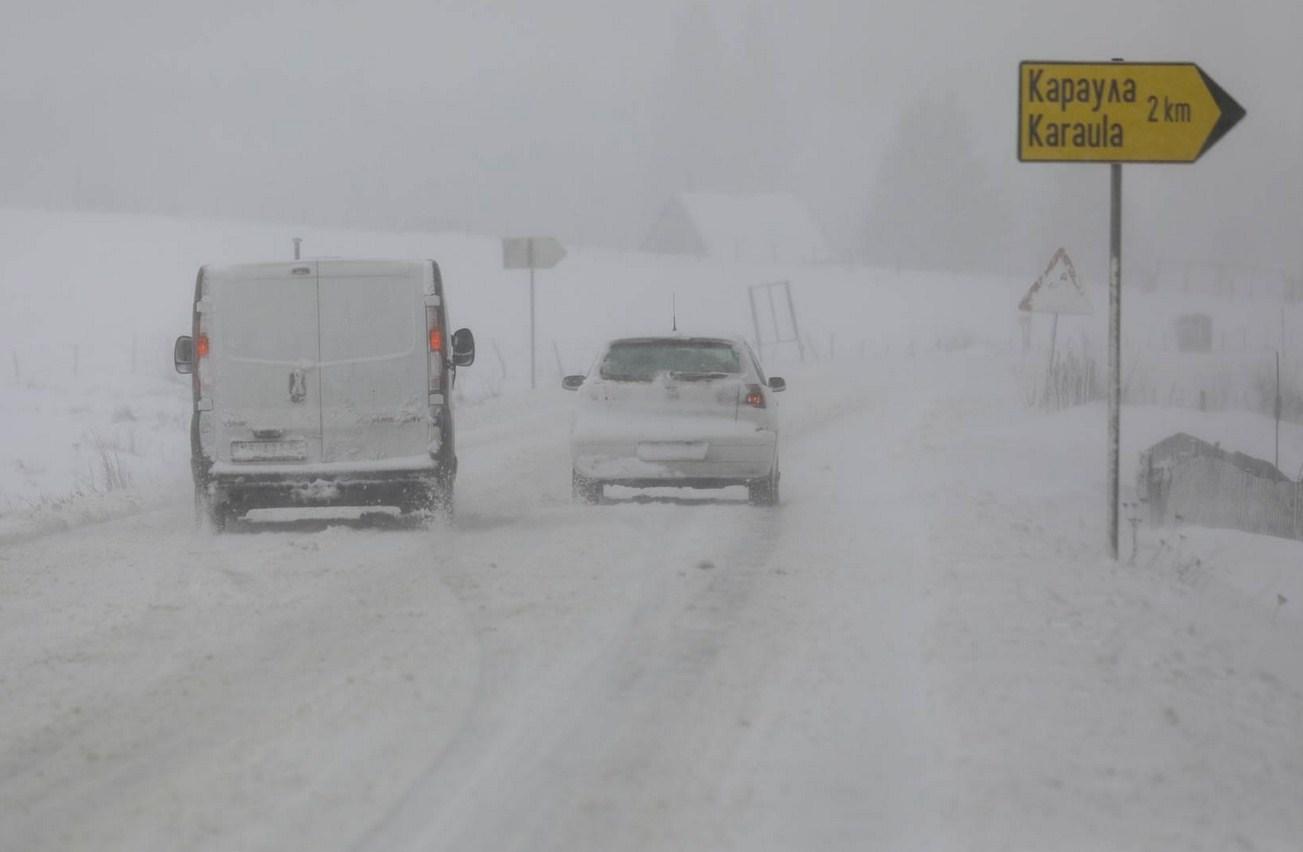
581 119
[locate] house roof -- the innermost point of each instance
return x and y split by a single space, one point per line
770 226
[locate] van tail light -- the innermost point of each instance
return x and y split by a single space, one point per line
203 378
755 396
434 336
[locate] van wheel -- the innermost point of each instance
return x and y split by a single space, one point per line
441 500
434 503
764 492
585 490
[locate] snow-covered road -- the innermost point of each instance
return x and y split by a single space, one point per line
919 649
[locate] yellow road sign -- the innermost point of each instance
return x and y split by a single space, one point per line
1119 112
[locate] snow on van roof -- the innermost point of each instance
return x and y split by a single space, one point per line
322 263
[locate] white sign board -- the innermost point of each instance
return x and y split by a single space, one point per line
531 252
1057 291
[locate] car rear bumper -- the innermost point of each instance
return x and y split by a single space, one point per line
726 460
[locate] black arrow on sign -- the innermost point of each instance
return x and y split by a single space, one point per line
1231 111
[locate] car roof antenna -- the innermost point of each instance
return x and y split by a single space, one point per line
674 312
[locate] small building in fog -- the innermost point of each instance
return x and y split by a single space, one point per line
766 228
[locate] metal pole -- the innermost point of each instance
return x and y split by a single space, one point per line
1114 353
791 312
298 242
755 321
1049 371
1278 409
533 375
773 312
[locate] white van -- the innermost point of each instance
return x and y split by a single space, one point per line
322 383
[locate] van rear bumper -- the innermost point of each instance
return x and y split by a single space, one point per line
331 470
402 488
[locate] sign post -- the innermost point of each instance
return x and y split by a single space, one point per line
1114 353
1119 112
531 253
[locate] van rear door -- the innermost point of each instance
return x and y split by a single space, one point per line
262 323
374 363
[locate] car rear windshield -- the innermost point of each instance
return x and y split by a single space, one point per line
643 360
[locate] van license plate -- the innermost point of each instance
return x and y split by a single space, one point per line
250 451
672 450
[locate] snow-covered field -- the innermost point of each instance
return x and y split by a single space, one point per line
921 648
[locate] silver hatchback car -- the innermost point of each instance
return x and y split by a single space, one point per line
679 411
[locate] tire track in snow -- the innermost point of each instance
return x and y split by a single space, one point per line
208 711
624 707
304 679
635 661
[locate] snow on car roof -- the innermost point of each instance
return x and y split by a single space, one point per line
678 338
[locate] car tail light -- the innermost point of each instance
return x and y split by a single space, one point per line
434 335
755 396
201 346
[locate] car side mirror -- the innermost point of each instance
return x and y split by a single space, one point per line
572 382
463 348
183 354
777 384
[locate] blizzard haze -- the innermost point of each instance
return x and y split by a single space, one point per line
901 628
584 118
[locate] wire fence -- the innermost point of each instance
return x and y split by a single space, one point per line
38 365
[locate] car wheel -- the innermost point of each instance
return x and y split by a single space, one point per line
585 490
764 492
219 515
201 508
441 500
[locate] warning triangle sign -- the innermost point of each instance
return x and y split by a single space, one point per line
1057 291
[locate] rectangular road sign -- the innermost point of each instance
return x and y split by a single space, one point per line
1119 112
531 252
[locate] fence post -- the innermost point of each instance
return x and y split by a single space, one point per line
502 362
1298 509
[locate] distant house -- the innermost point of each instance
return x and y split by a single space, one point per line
768 228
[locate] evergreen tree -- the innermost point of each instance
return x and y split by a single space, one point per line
933 205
